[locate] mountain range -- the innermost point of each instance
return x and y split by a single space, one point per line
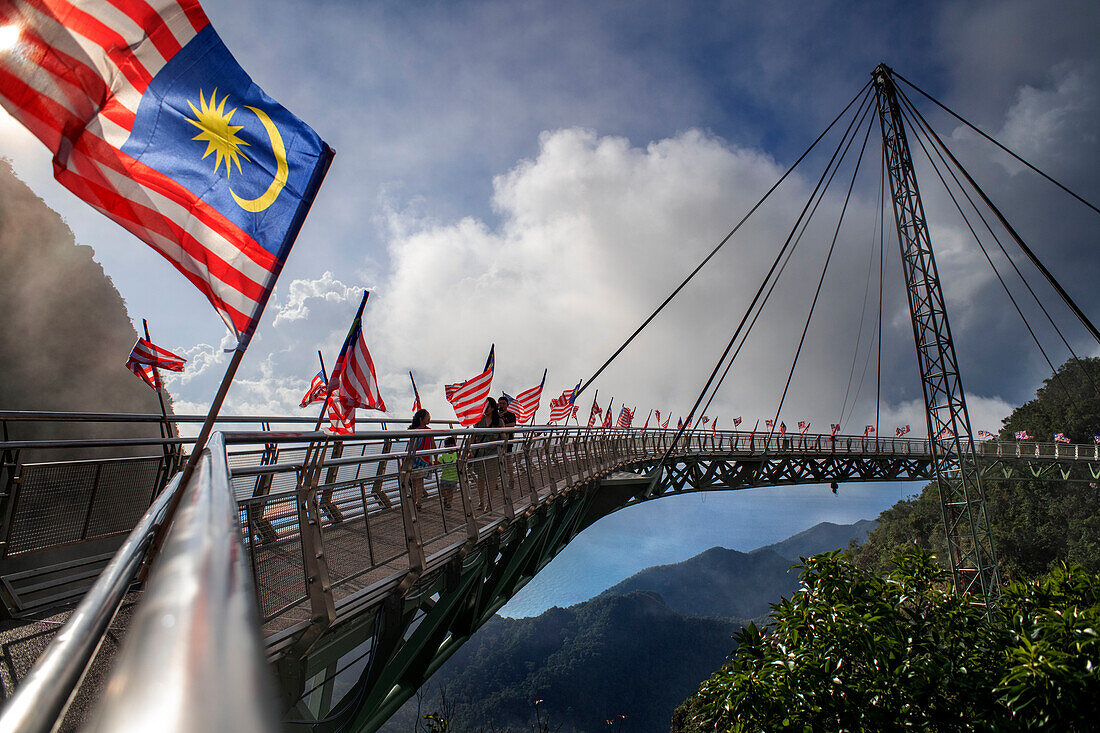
630 655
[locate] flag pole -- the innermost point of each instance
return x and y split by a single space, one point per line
156 378
542 386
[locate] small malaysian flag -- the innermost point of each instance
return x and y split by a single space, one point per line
664 425
947 432
562 407
341 415
803 426
626 417
703 421
769 424
317 390
146 357
607 416
417 406
646 426
782 429
526 403
353 374
834 428
679 423
596 413
468 398
1060 438
1096 439
868 430
737 421
984 435
1022 435
901 431
714 427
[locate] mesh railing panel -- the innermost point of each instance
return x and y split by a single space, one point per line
52 505
122 495
271 532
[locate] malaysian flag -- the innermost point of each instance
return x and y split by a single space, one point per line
714 427
834 428
468 398
626 417
947 432
769 424
901 431
704 421
595 413
679 423
646 426
1022 435
868 430
526 403
353 381
736 421
417 407
782 429
563 407
341 415
607 416
1096 439
152 122
318 388
984 434
658 414
664 425
803 426
687 425
1060 438
146 357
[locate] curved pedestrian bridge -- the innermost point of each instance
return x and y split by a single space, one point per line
366 572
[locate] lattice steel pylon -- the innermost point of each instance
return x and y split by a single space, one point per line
954 462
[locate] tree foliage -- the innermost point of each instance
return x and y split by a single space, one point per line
855 650
1036 525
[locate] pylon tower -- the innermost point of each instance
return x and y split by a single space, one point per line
966 522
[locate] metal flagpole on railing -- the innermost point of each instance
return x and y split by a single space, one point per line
165 427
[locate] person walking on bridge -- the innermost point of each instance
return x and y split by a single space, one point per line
420 464
486 470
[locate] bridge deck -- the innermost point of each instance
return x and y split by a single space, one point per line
367 523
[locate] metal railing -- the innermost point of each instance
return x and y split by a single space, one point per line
288 528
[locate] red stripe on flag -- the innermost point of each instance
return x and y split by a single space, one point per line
114 46
195 14
149 19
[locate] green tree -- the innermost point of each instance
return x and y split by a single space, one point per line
1036 525
854 650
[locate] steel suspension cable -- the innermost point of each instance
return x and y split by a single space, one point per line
771 287
824 270
919 132
966 122
859 330
713 252
907 105
767 277
1008 227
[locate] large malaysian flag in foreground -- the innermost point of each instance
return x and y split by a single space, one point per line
468 398
152 122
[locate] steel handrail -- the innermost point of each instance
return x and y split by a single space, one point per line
41 699
192 659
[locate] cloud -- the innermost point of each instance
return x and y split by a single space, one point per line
300 292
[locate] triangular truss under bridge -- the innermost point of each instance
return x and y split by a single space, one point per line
954 463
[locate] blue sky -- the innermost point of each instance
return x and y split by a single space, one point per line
541 174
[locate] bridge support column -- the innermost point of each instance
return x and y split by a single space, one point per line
969 540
